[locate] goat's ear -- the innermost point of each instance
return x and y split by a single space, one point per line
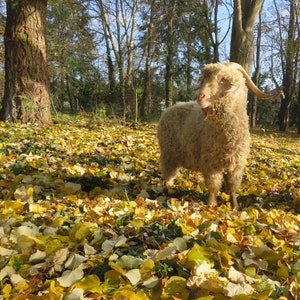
227 83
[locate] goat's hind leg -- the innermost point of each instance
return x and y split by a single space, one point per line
232 183
168 169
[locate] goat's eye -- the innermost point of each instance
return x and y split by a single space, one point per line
223 80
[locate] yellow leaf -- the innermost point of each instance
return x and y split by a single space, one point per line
225 196
37 208
13 206
262 174
147 268
22 285
197 253
174 288
251 190
283 271
30 192
186 229
140 295
112 281
269 220
81 231
6 290
117 268
55 290
59 221
130 295
89 283
137 223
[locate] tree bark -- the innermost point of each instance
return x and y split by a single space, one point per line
110 66
146 96
170 49
289 74
255 78
298 108
27 87
242 38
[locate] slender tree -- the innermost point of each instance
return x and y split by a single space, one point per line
148 42
255 77
298 108
118 20
170 50
289 56
27 88
211 18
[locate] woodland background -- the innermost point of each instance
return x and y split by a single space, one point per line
136 57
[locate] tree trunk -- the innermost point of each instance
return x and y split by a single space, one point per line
147 83
146 96
242 38
211 9
73 107
111 71
289 74
169 75
189 68
255 78
298 107
27 87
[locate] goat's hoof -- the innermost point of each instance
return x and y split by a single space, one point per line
212 203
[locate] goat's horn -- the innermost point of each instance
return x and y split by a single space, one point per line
251 85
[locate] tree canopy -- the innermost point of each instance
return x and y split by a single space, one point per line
134 57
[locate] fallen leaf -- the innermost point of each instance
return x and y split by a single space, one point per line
70 277
134 276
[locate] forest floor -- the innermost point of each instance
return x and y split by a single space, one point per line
84 215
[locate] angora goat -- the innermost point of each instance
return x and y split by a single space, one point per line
210 135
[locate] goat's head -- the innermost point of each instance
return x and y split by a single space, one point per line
217 80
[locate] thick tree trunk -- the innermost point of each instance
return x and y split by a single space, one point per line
284 113
242 40
27 88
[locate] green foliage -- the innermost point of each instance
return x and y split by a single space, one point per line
72 49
